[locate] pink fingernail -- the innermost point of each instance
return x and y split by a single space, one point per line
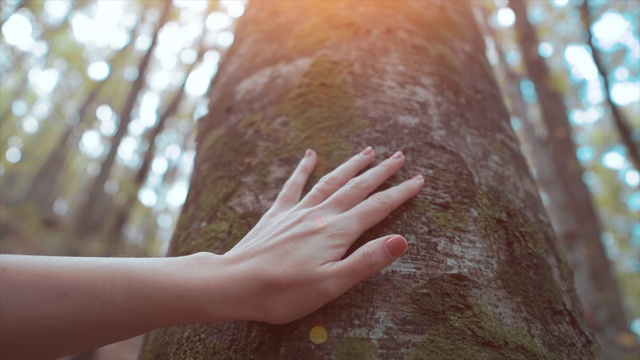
396 246
367 151
417 177
308 153
397 155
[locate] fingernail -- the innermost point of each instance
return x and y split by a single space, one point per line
308 153
396 246
397 155
367 151
417 177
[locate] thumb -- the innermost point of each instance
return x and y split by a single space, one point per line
370 258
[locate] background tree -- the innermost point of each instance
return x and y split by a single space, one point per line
594 281
476 248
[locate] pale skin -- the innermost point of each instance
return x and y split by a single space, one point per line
289 265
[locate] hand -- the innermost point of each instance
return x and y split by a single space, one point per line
290 263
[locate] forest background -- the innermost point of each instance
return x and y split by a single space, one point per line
99 102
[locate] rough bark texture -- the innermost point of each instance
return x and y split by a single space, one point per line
595 283
482 278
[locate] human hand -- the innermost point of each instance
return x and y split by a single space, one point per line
290 263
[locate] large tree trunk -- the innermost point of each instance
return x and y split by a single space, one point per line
482 277
595 282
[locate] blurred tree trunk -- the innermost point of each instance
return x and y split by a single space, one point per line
594 279
88 217
619 119
18 94
482 278
43 185
42 188
114 237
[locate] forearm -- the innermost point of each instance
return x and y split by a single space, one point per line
53 306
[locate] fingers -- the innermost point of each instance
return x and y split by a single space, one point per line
292 189
331 182
379 205
368 260
359 188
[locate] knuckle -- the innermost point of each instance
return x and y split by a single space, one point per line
383 201
331 289
357 184
369 258
329 181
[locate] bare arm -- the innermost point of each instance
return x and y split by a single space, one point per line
286 267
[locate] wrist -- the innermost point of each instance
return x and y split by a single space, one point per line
217 291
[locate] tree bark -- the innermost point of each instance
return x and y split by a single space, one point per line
482 278
594 279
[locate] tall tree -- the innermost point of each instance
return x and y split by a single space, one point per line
87 217
123 213
595 282
619 119
482 278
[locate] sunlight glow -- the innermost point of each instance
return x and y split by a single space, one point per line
235 8
218 20
225 39
104 112
19 108
581 62
177 195
545 49
610 29
147 197
164 220
149 108
613 160
43 81
173 152
159 165
13 155
625 93
91 144
506 17
30 125
127 150
56 11
98 70
18 31
632 178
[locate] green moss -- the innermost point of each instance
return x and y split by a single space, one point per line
355 348
451 192
460 326
524 271
318 113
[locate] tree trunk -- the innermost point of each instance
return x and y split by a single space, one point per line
619 119
114 236
88 218
42 189
482 278
595 282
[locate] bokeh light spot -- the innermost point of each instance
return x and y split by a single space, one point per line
318 335
13 155
98 70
